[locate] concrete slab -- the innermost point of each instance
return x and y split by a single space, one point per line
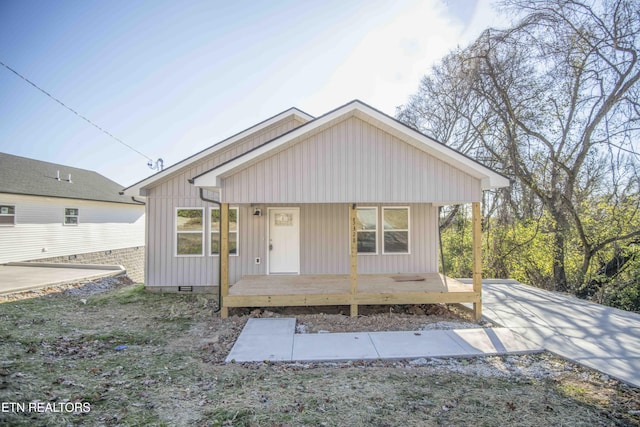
596 336
264 339
492 341
255 348
274 326
339 346
20 278
275 340
401 345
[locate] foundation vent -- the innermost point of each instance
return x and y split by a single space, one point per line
185 288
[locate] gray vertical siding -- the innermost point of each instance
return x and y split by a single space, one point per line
324 239
324 246
177 185
351 161
163 268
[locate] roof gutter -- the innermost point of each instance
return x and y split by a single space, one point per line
204 199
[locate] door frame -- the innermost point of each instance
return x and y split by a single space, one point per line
269 209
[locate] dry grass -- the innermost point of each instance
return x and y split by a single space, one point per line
62 348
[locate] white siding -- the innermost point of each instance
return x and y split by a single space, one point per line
39 231
351 161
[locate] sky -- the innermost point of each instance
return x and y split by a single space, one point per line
171 78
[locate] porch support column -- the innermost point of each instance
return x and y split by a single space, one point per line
224 254
476 221
353 276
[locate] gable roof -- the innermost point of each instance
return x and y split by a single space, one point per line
21 175
488 177
174 169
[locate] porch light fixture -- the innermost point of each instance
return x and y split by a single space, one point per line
257 212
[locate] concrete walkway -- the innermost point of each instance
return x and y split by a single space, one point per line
275 339
20 277
599 337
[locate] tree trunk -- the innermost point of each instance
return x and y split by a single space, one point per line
605 273
560 231
559 271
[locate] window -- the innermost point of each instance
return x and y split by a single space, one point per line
215 231
189 231
7 215
367 230
395 230
71 216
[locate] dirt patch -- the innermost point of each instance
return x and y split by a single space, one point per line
140 358
375 318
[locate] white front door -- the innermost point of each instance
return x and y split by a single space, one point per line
284 240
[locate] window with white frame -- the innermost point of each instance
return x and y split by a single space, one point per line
395 230
189 231
367 230
7 215
71 216
233 231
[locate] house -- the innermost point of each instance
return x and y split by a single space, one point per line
60 214
297 210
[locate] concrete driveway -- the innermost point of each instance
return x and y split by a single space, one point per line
19 277
599 337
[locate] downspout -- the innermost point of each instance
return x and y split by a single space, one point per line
204 199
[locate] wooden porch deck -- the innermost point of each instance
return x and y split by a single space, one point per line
372 289
353 289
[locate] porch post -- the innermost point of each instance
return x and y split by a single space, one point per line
476 218
224 254
353 276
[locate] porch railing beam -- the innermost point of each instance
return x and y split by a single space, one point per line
224 254
353 276
476 221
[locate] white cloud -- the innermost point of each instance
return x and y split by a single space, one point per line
387 64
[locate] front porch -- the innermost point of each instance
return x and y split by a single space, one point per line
351 289
372 289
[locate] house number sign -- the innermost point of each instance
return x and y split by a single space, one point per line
284 219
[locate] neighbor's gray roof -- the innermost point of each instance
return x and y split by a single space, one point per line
20 175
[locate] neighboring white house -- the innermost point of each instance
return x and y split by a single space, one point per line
56 213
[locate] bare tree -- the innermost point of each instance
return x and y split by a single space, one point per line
553 102
563 81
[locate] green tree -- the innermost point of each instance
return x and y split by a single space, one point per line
553 103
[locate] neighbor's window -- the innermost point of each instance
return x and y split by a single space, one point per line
215 231
7 215
367 230
395 230
189 231
71 216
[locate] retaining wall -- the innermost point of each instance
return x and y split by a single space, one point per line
132 259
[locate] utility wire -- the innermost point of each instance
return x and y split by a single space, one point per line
74 111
